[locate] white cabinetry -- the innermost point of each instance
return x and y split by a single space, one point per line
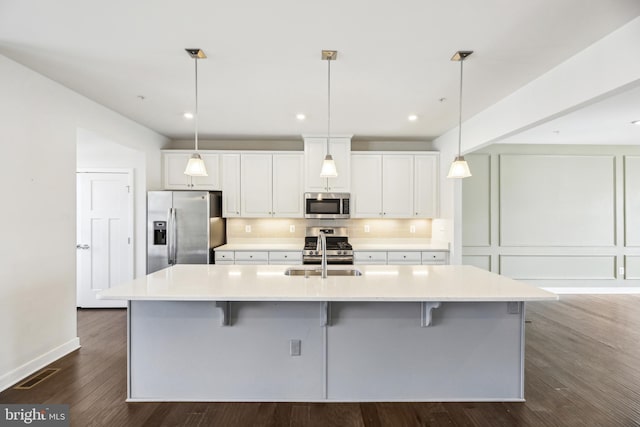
401 257
224 257
251 257
258 257
425 200
397 186
256 185
405 258
382 185
366 186
174 162
285 257
435 258
369 257
315 149
271 185
394 185
230 184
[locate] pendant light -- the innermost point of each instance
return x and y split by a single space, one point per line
195 166
328 164
459 167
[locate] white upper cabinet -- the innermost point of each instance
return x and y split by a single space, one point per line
230 183
256 185
394 185
426 185
174 163
271 185
366 186
397 186
288 194
315 149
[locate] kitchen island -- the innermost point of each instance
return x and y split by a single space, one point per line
392 333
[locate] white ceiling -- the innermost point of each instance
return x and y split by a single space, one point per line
264 61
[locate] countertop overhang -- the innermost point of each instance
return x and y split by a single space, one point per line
422 283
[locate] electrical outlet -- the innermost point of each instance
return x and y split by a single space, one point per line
621 271
412 229
366 228
247 229
295 347
292 228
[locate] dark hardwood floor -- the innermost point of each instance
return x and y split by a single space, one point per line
582 369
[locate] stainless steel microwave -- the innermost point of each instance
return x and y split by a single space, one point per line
326 205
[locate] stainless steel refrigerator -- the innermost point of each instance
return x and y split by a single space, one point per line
183 227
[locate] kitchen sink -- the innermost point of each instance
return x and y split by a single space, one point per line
317 272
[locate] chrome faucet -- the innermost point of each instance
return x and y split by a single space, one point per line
322 246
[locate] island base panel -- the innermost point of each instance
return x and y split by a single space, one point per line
181 351
370 351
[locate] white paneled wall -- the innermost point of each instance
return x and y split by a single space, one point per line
556 216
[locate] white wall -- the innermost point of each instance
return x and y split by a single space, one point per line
38 134
565 217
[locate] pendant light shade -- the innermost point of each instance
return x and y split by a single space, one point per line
329 169
196 166
460 168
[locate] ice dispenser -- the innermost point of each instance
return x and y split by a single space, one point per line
159 232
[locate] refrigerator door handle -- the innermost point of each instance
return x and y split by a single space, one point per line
174 228
171 246
169 237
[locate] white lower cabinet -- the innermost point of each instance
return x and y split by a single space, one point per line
252 257
285 258
435 258
400 257
224 257
406 258
258 257
369 257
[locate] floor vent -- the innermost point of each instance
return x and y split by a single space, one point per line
36 379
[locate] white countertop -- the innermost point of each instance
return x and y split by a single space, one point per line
358 245
398 245
378 283
263 246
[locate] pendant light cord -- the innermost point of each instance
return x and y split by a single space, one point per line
460 112
328 103
196 112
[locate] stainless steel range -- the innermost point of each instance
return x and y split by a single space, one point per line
338 251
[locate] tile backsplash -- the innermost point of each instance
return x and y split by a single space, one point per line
254 228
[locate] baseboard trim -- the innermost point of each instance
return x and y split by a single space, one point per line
592 290
12 377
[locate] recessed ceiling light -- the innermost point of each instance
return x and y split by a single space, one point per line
188 115
636 122
412 118
300 116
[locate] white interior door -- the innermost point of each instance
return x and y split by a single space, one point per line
104 234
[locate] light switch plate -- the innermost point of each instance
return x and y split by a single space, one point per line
295 347
247 229
366 228
292 228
